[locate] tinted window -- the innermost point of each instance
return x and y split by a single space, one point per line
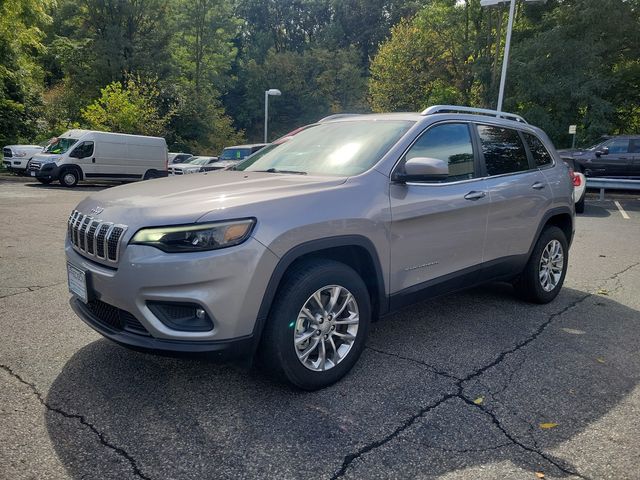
540 154
634 145
450 142
618 145
60 145
503 150
84 150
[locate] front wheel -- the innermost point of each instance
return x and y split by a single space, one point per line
69 178
546 269
318 325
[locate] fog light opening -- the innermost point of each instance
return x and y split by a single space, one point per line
185 317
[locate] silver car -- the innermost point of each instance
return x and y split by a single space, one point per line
290 258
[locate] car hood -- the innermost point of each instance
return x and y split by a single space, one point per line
568 152
46 157
185 199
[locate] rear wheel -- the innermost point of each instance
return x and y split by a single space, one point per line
150 175
544 274
318 325
69 177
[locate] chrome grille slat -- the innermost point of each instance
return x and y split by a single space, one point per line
95 238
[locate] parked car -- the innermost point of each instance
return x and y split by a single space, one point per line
194 165
617 156
579 185
90 155
240 152
293 256
16 157
179 157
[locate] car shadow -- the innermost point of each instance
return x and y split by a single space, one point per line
172 418
84 187
594 210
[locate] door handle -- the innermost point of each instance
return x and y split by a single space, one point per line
538 186
93 160
475 195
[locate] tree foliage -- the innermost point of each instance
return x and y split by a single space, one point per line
129 107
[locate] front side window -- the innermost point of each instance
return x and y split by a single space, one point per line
450 142
235 153
617 145
336 148
84 150
503 150
541 155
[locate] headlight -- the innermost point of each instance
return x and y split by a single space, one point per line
20 154
195 238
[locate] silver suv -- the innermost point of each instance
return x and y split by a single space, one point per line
292 255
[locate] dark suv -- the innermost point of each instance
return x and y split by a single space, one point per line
617 156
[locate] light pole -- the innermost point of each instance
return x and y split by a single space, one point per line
507 45
267 93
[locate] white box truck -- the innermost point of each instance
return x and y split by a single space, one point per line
90 155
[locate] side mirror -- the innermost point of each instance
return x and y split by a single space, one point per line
423 169
77 153
602 151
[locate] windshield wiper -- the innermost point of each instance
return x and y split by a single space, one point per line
275 170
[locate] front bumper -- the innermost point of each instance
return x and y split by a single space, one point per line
234 348
46 171
228 284
15 163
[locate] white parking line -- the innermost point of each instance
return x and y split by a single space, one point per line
622 212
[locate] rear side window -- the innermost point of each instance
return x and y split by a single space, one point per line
634 145
541 155
503 150
450 142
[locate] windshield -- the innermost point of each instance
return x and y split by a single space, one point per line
340 148
60 145
234 153
255 157
601 140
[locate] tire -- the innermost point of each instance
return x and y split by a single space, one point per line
45 181
69 178
580 205
278 354
531 285
150 175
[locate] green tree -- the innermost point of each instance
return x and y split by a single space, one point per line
132 107
21 45
435 57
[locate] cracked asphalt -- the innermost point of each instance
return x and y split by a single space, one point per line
472 385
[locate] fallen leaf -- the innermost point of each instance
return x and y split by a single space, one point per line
547 426
539 474
604 292
600 360
574 331
479 400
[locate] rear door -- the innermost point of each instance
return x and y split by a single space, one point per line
634 152
438 228
519 193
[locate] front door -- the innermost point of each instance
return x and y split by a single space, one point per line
613 159
438 228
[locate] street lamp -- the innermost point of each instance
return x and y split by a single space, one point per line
507 45
267 93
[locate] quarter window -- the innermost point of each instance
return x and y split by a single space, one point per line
541 155
503 150
450 142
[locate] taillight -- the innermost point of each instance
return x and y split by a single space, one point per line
575 178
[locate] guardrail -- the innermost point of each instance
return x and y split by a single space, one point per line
612 184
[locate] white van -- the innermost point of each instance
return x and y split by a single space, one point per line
89 155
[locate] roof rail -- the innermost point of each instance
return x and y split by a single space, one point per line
478 111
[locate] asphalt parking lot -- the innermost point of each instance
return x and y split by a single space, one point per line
473 385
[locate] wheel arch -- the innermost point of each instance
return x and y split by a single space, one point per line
561 217
355 251
72 166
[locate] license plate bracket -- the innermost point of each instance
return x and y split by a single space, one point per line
77 279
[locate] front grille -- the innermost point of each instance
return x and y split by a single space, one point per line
35 166
116 318
7 152
94 237
175 171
